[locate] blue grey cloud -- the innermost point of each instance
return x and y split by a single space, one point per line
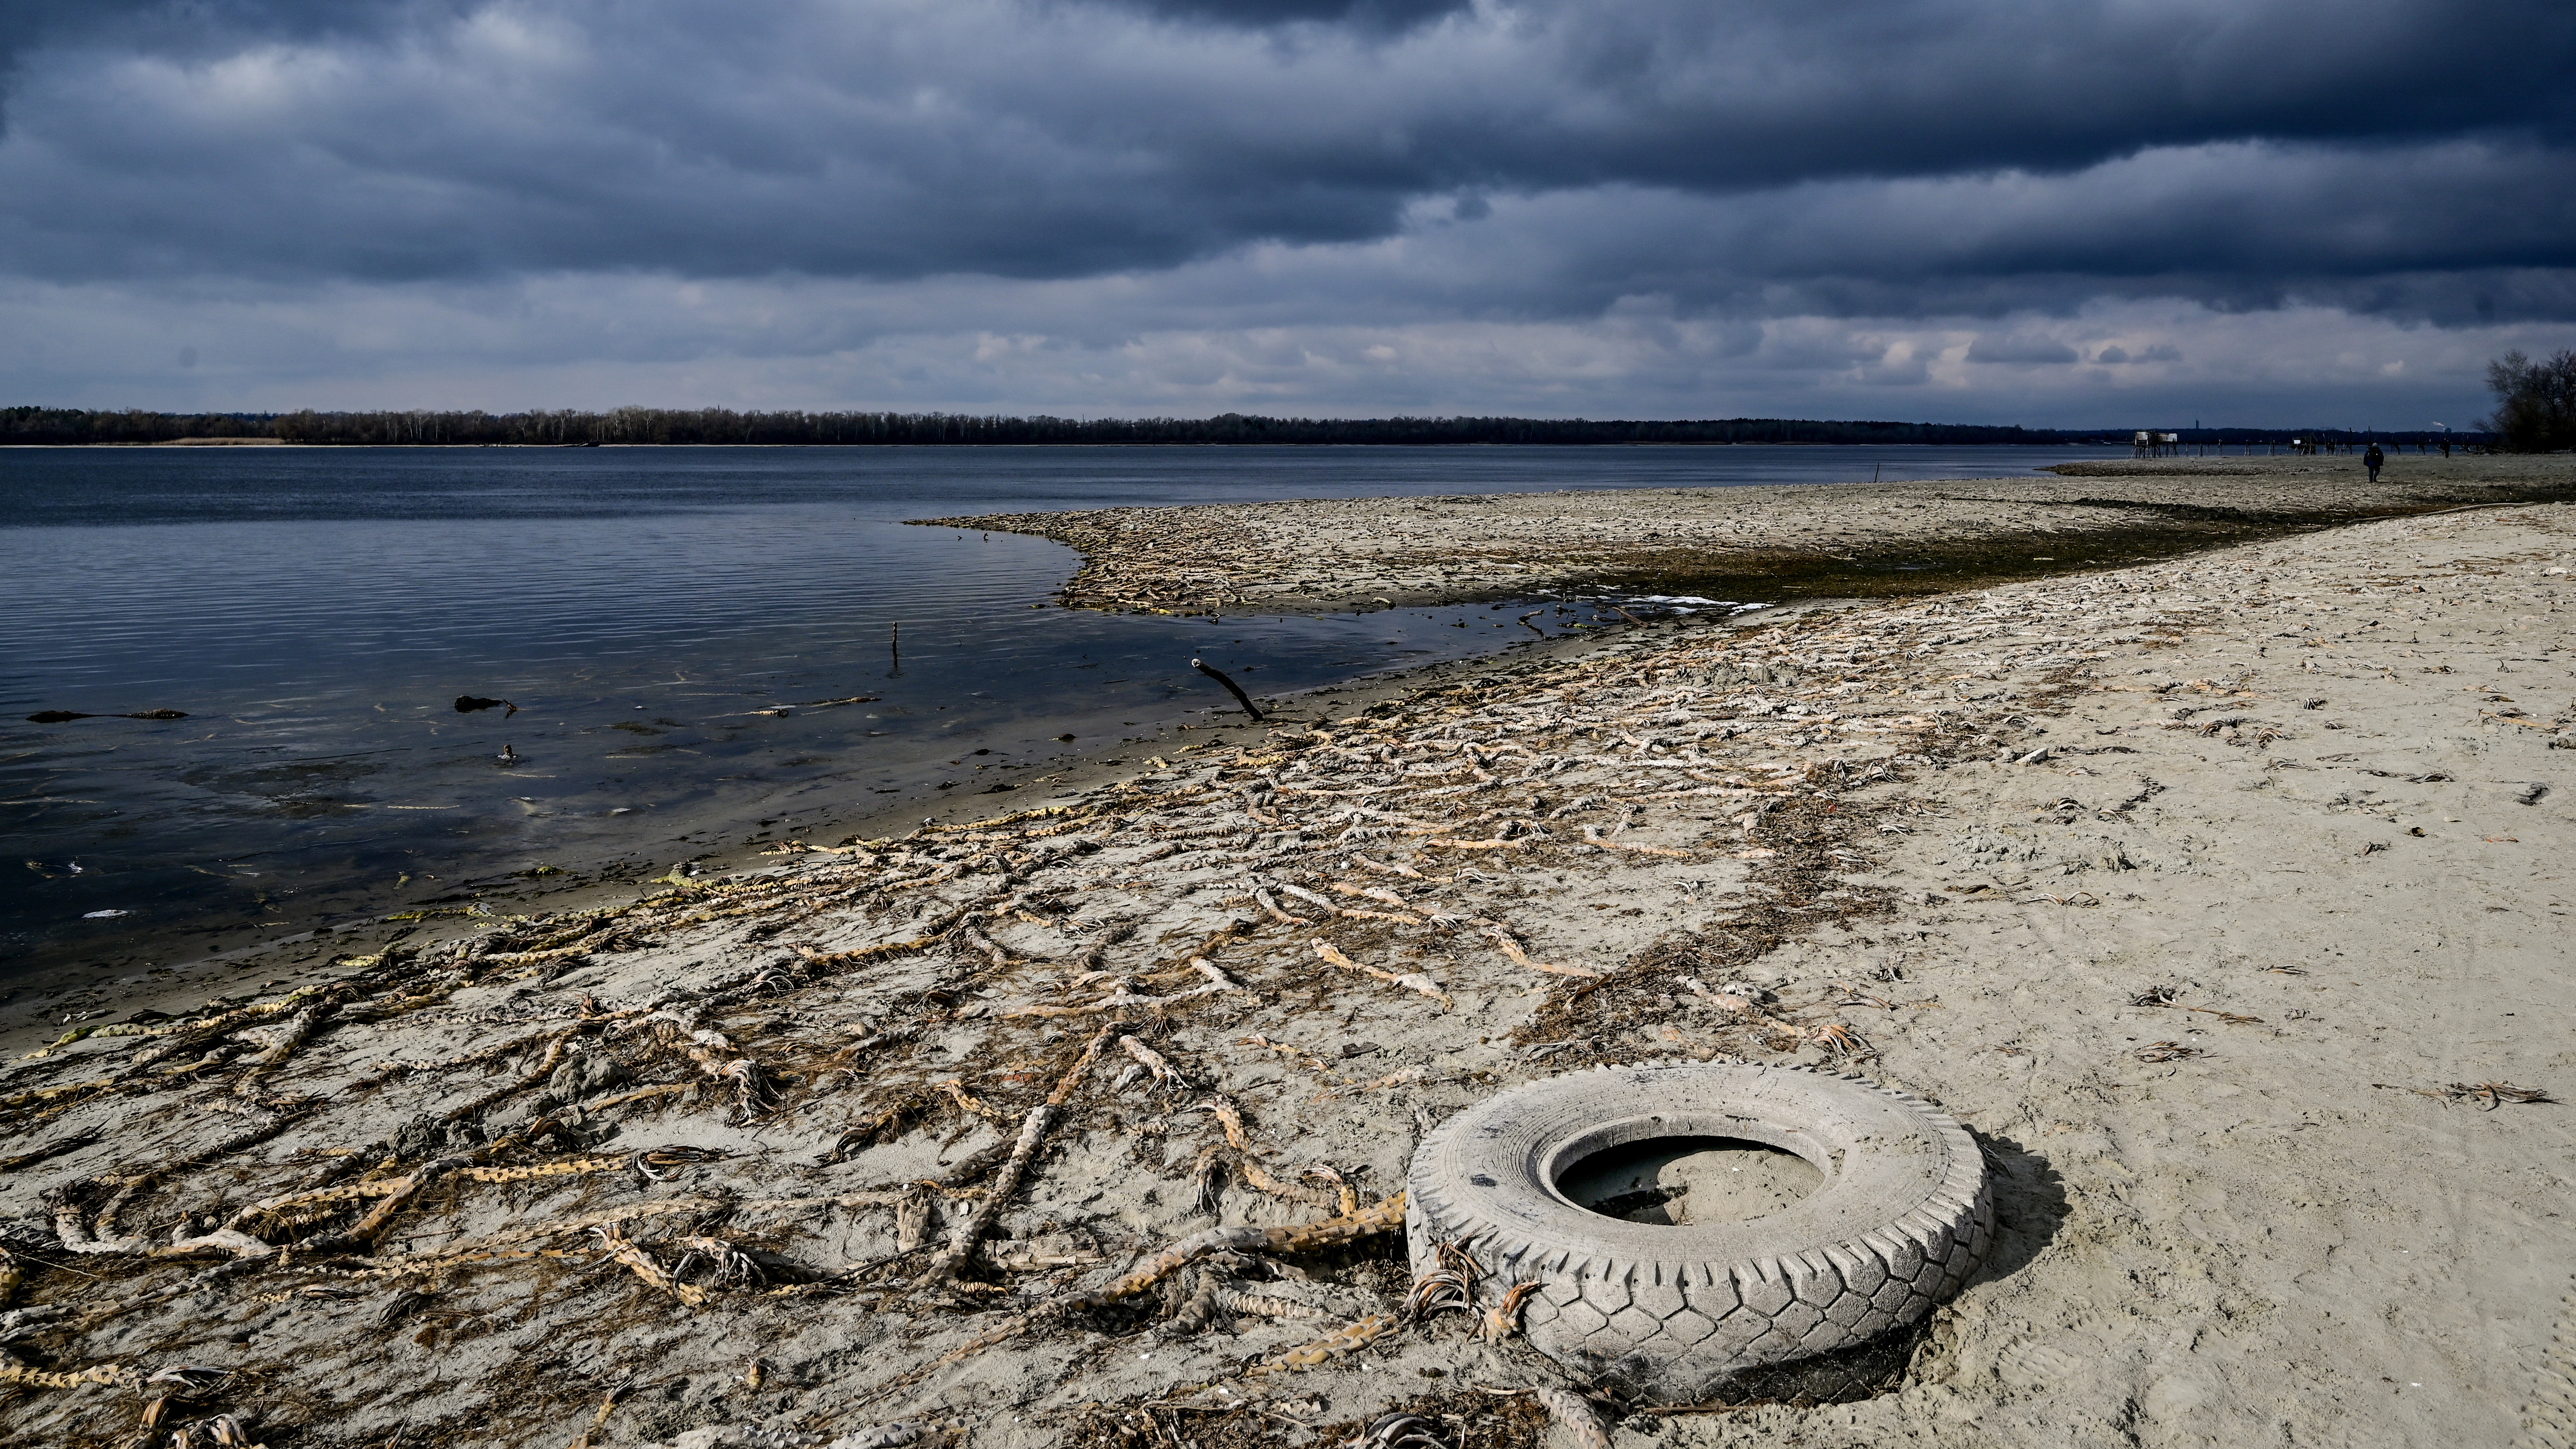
1377 15
2027 351
1956 185
416 140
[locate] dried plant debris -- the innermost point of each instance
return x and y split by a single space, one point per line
1450 1287
1133 1072
2168 1051
1224 558
2487 1095
1466 1419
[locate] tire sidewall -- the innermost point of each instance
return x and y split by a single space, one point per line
1903 1216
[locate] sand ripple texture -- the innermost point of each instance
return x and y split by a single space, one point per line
2225 899
1332 553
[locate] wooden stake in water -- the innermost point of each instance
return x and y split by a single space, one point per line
897 648
1212 672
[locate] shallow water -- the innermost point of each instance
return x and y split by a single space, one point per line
316 613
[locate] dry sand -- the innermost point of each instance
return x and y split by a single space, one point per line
2307 789
1339 553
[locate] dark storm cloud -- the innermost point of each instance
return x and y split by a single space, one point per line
198 26
1880 157
1376 14
2417 230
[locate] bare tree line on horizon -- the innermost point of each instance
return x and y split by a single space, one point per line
568 427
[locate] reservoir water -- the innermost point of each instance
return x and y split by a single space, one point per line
316 614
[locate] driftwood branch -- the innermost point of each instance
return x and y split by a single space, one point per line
1033 1130
1219 675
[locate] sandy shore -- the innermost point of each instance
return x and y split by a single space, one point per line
1341 553
659 1173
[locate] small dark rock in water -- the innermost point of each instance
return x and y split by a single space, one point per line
469 703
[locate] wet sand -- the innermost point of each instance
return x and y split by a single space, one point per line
2222 896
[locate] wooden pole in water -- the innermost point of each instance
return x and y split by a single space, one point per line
1212 672
897 647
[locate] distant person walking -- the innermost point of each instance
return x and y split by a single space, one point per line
2374 460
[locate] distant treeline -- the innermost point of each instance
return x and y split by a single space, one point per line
567 428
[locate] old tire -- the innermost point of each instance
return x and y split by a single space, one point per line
1680 1314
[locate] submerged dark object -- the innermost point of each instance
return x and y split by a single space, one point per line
65 716
469 703
1212 672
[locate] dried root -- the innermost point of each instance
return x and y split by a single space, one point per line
2496 1094
1854 996
1574 1414
1033 1130
1332 1346
1256 1305
14 1372
1839 1040
1230 1116
724 1265
1413 981
1503 1315
625 1251
661 1164
1398 1431
884 1126
1255 1175
2167 1051
1262 898
912 1220
1166 1075
283 1041
1451 1287
967 1103
1207 1179
2488 1095
1513 949
1383 1217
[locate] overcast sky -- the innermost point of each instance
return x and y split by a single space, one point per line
2054 212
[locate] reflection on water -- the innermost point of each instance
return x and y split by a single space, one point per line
690 636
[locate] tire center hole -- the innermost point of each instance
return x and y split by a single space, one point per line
1682 1181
